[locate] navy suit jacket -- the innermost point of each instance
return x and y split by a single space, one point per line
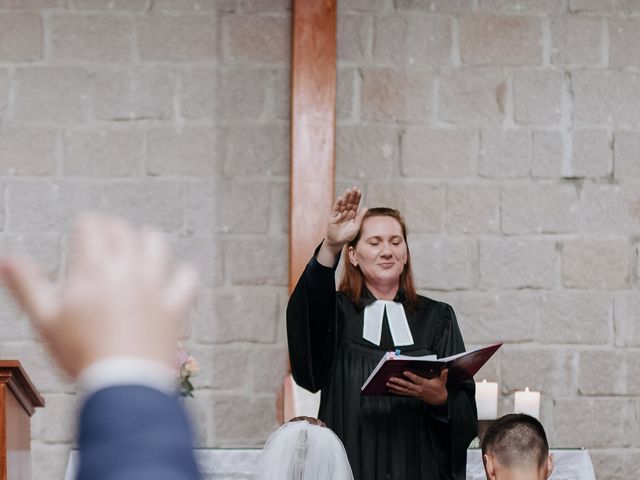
135 433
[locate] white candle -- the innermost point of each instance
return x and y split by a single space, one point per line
487 400
527 402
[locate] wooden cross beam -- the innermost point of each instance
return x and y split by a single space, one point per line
313 118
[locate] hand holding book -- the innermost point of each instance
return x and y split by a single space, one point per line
430 390
460 367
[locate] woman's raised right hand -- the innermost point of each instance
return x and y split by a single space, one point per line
344 224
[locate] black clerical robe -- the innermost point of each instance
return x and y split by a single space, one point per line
390 437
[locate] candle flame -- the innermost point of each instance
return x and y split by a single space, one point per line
484 381
526 390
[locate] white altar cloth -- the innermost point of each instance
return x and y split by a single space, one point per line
240 464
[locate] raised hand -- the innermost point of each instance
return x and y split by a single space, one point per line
432 391
122 296
344 224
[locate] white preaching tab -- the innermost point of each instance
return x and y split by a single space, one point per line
398 325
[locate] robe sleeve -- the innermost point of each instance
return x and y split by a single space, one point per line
462 426
311 326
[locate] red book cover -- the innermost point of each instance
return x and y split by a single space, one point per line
461 367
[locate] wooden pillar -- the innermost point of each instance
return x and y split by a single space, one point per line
313 116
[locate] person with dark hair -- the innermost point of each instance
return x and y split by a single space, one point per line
336 338
516 447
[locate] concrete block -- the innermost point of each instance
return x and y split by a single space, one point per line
139 93
243 207
185 152
28 151
355 38
198 93
195 6
624 42
246 263
177 38
515 263
547 154
241 93
270 366
206 253
472 209
577 40
59 418
422 205
91 38
257 38
610 97
449 6
592 154
259 6
280 88
626 146
504 153
396 95
346 96
103 153
444 263
599 6
611 209
200 208
524 6
609 372
49 461
549 371
413 40
573 421
4 90
262 150
59 95
364 151
137 6
539 209
500 40
472 96
603 263
575 318
615 463
21 37
362 5
491 317
242 420
430 152
219 366
538 96
627 319
280 207
157 204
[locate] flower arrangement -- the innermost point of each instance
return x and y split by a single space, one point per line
186 367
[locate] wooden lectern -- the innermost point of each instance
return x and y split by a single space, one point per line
18 401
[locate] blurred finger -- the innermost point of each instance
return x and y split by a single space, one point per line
31 289
154 250
413 377
181 289
88 246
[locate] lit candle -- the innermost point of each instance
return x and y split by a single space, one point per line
487 400
527 402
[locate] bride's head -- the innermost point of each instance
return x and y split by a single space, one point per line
300 450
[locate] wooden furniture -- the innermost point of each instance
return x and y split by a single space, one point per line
18 401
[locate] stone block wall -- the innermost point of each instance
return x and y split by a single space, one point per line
507 132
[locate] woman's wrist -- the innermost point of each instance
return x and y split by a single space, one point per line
328 254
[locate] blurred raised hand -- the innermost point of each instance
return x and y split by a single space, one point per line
122 296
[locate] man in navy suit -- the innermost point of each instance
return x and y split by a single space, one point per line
112 325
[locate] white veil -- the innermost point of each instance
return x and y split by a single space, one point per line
301 451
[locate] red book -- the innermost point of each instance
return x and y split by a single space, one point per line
461 366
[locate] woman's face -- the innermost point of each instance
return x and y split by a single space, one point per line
381 252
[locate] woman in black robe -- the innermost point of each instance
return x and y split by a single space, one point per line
422 431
